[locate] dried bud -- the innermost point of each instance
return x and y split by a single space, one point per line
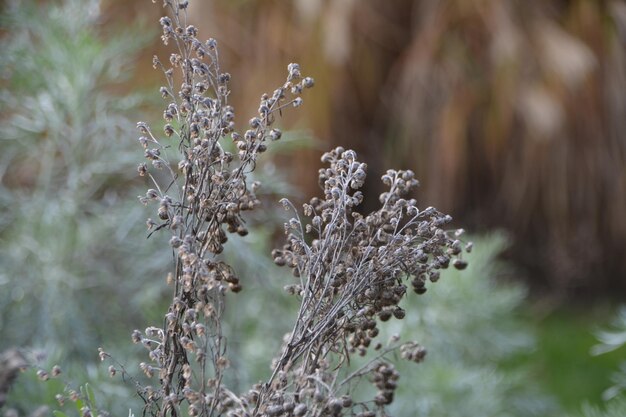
384 315
275 134
308 82
136 336
399 313
73 395
300 410
459 264
294 72
142 169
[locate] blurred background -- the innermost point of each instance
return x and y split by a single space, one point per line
511 113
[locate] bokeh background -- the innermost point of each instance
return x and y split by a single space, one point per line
511 113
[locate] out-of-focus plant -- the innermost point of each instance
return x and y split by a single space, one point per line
472 328
614 408
611 340
516 105
471 324
70 275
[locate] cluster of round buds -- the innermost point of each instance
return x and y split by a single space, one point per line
385 378
336 407
254 140
396 241
362 332
413 352
215 194
203 117
354 270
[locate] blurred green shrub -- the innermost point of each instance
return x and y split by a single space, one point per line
611 340
470 324
615 408
72 276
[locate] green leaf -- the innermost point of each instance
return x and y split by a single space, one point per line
90 395
79 403
59 414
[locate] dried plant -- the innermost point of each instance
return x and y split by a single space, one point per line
351 276
350 269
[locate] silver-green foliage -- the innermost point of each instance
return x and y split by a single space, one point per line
471 327
611 340
613 408
70 276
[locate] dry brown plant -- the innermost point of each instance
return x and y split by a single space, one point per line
351 269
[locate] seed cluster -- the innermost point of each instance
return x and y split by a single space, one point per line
201 193
351 274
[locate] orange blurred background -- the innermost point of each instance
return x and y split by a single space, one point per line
511 113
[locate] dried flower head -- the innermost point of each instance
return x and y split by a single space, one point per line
352 271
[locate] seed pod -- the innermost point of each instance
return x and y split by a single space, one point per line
136 336
384 315
163 214
300 410
274 410
335 406
308 82
459 264
275 134
399 313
